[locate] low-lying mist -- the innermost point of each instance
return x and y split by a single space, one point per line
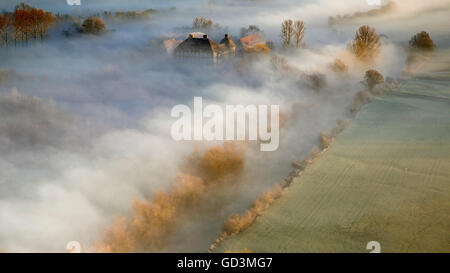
85 148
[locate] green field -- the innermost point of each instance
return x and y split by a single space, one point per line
386 178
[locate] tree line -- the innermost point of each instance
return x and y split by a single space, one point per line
24 24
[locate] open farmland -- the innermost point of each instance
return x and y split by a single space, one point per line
386 178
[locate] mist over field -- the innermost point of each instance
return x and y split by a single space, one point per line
85 120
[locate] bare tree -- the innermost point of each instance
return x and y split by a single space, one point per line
299 32
200 23
366 45
287 30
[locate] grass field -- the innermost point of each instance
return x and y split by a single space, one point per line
386 178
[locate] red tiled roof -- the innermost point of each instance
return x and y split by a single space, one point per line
252 40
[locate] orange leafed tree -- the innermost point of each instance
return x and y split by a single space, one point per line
422 41
153 222
366 45
6 21
24 24
94 25
46 23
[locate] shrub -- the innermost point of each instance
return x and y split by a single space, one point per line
324 140
338 66
317 81
372 78
314 153
236 223
361 98
299 164
341 125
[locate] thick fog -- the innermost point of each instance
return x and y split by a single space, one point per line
85 120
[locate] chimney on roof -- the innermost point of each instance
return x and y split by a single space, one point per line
205 36
227 35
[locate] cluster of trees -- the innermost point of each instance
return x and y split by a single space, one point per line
386 9
24 24
366 45
250 30
292 33
93 25
130 15
202 23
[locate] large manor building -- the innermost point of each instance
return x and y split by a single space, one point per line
199 46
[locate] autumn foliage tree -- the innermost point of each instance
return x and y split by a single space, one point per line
366 45
94 25
153 222
421 45
6 21
422 41
24 23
